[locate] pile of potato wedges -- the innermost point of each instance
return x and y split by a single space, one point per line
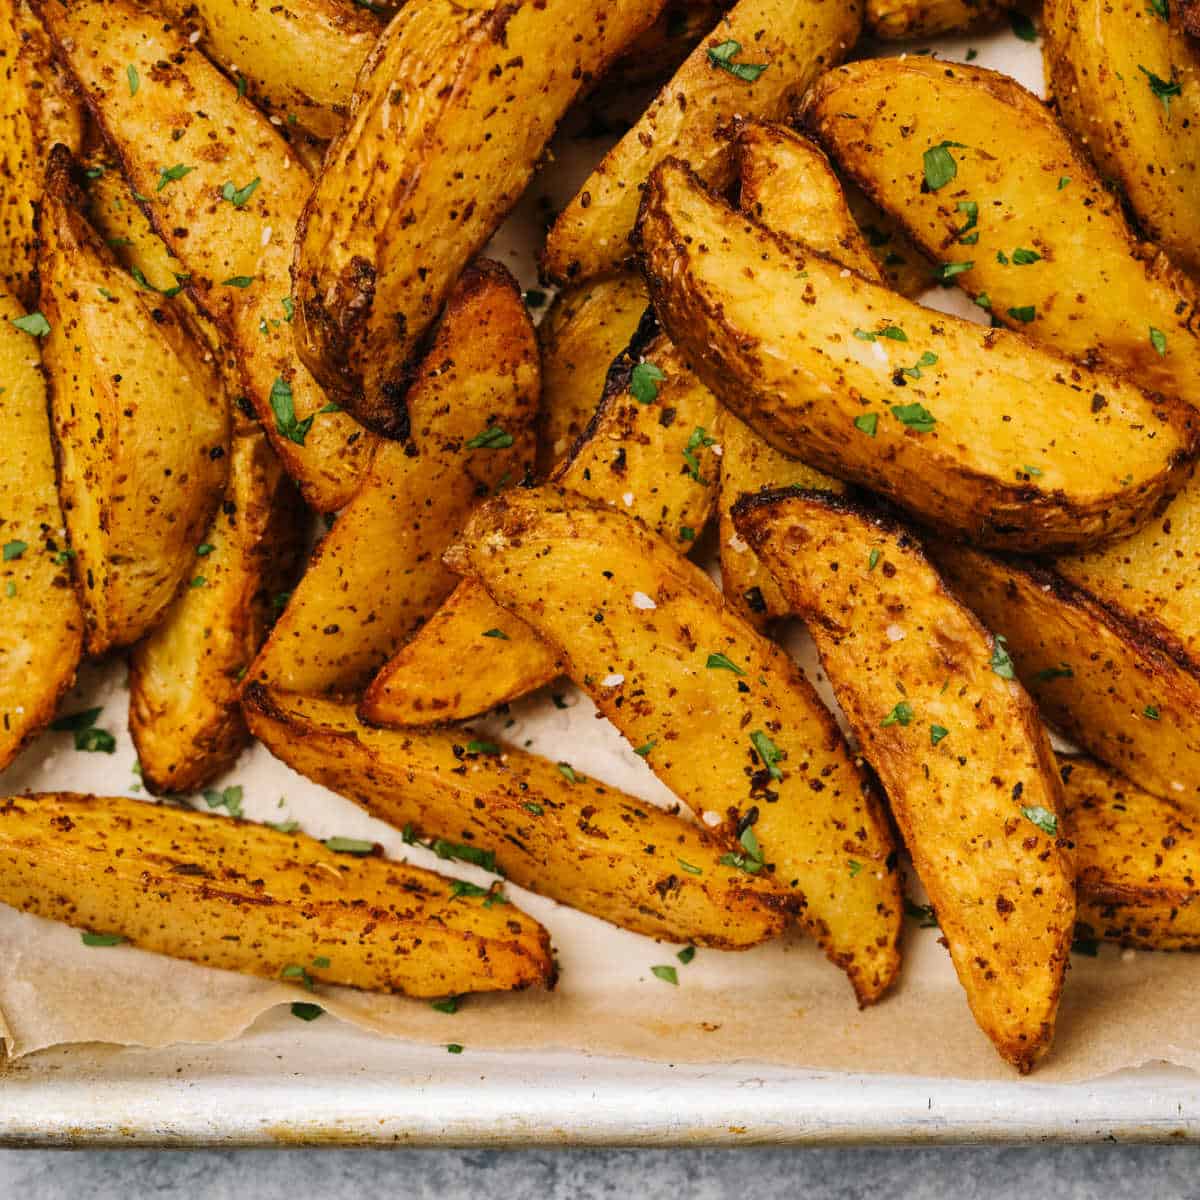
242 291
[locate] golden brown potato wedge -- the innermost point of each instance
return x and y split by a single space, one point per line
54 108
897 20
41 633
1126 79
659 51
450 115
582 332
378 573
1136 859
957 743
299 59
246 898
980 431
748 464
184 678
140 421
1111 686
653 458
757 61
1018 217
225 192
725 719
572 839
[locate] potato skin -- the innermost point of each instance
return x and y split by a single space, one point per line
243 897
770 328
1120 673
1097 53
140 421
637 626
396 214
795 39
897 20
1137 859
186 113
377 574
299 60
184 677
962 742
877 119
581 843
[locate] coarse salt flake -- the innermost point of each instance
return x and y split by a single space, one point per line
711 818
736 544
612 681
641 600
895 633
628 499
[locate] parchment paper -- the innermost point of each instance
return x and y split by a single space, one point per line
778 1004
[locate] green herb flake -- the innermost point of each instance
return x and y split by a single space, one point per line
307 1012
453 1048
854 867
769 753
1043 818
1002 663
229 798
722 56
1160 9
947 271
237 196
666 974
940 167
643 382
644 749
1023 26
131 73
1023 258
873 559
496 633
359 847
482 748
914 416
283 826
171 175
1164 90
1151 712
34 324
238 281
447 1005
867 423
1024 314
687 533
923 914
1063 181
1158 340
718 662
102 939
689 868
535 809
902 714
1046 674
686 955
285 413
936 733
204 549
568 772
970 210
492 438
14 549
699 437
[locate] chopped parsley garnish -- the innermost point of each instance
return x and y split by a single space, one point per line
1022 257
359 847
902 714
1151 711
940 167
969 209
643 382
1164 90
923 914
534 298
718 662
1002 662
496 633
453 1048
644 749
34 324
689 868
229 798
1024 314
928 359
283 826
687 533
140 279
447 1005
1043 818
723 55
892 332
698 438
984 301
1161 9
1046 674
936 733
666 974
285 413
914 416
568 772
197 581
237 196
768 752
686 955
131 73
296 971
171 174
1158 340
751 861
947 271
205 549
535 809
460 887
238 281
14 549
307 1012
87 737
102 939
1023 26
454 851
854 866
867 423
873 559
492 438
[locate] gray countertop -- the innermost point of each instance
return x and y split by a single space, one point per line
1111 1172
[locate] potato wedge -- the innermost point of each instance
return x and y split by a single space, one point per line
940 415
184 677
653 459
898 20
582 332
748 464
395 214
299 59
20 163
140 420
1112 687
224 194
41 634
1136 859
242 897
1047 245
659 51
378 573
1103 58
577 841
758 60
958 746
721 714
54 108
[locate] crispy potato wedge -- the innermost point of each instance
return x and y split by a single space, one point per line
1047 245
225 194
41 635
299 59
721 714
184 678
242 897
1111 686
659 51
54 108
758 60
652 459
582 332
140 421
898 20
1102 60
378 573
579 842
1136 859
938 414
748 464
957 744
20 163
395 215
